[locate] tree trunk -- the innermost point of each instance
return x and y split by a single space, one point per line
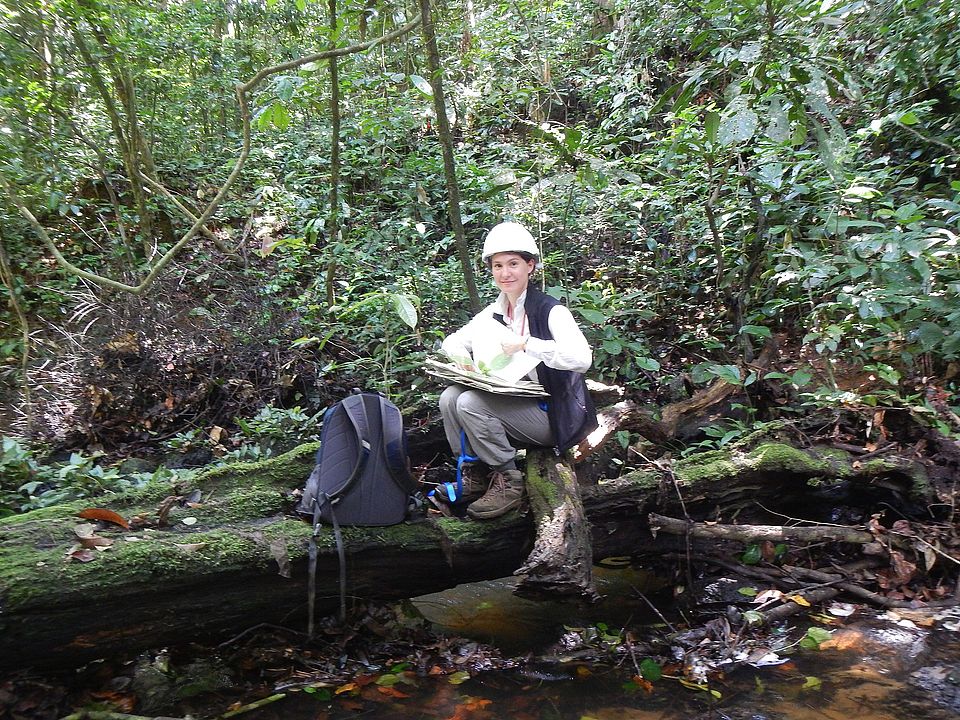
333 220
200 569
446 145
561 561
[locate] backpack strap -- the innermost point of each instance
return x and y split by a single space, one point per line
357 414
394 443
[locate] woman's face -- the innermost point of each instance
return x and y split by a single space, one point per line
511 272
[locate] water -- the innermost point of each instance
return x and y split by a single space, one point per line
878 668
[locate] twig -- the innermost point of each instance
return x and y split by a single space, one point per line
654 608
254 705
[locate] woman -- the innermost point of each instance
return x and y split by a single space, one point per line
482 426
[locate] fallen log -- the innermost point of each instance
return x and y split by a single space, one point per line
200 568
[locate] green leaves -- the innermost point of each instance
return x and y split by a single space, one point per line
422 84
814 637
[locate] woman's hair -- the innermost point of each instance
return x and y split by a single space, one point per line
527 257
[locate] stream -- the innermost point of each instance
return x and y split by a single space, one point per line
877 666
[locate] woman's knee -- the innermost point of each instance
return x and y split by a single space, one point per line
448 398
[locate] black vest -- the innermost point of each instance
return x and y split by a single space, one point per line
570 408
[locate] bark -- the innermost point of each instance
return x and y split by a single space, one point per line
206 569
333 220
561 561
756 533
446 146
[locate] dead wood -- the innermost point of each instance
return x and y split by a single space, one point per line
756 533
629 415
562 558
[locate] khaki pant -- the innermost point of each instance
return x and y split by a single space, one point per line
490 421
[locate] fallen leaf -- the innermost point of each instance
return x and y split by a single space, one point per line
799 600
88 539
347 688
392 692
189 521
278 548
105 515
82 555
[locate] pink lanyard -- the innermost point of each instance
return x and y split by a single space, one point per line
523 323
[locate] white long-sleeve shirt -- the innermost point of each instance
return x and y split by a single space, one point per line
567 351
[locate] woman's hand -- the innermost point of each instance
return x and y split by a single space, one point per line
513 344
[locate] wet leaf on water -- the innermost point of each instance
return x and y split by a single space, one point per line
459 677
350 687
583 671
387 680
813 638
811 683
842 609
392 692
106 515
320 693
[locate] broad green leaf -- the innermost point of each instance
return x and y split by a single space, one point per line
458 678
592 316
500 361
751 555
405 309
612 347
778 129
756 330
280 116
738 127
572 138
647 363
650 669
711 125
861 191
421 84
811 683
747 591
752 617
729 373
814 637
909 118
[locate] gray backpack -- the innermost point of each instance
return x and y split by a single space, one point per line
361 477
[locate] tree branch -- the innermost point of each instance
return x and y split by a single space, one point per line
243 91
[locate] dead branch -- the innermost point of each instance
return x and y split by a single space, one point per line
756 533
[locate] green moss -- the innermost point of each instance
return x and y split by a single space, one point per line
723 465
283 472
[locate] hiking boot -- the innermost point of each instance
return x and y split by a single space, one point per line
504 494
473 483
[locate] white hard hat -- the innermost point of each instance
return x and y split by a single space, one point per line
509 237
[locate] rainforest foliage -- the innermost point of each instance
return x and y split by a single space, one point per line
704 178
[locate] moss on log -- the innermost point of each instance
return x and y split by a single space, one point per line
243 560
